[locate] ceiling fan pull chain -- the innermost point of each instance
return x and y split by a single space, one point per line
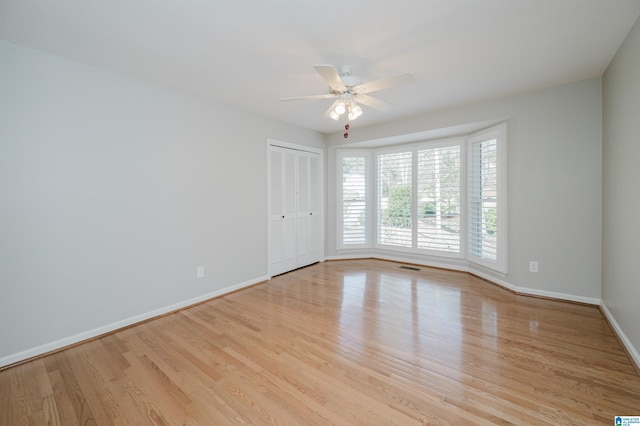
346 128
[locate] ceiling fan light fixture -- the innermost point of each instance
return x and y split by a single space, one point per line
334 115
355 111
339 109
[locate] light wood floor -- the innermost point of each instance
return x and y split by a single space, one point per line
348 342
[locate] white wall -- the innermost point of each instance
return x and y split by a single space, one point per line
554 183
621 192
112 192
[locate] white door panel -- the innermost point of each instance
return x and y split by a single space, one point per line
294 224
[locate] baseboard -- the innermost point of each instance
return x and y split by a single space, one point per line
525 291
66 342
400 259
110 328
560 296
633 352
477 272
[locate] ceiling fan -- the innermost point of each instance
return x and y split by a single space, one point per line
350 91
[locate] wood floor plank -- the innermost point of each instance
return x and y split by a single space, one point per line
92 384
165 398
13 409
76 396
187 384
61 403
50 411
346 342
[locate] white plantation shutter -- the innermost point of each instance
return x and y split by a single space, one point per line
483 200
443 198
486 199
395 216
354 212
438 196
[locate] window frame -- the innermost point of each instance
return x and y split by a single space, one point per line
499 133
414 148
347 153
376 216
371 155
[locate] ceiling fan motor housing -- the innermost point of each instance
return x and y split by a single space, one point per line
347 78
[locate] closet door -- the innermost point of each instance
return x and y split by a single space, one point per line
294 216
315 223
282 244
308 209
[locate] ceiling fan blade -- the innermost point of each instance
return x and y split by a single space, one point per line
373 102
309 98
385 83
331 76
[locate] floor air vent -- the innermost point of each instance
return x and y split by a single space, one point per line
413 268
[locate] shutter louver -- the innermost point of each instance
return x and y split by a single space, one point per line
395 199
439 199
354 196
483 201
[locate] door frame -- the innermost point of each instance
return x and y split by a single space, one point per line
321 193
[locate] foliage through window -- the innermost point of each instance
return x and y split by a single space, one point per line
431 177
395 199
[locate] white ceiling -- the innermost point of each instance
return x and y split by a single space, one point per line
249 53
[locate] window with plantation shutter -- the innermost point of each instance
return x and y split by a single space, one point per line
486 199
483 200
438 199
354 169
395 195
444 198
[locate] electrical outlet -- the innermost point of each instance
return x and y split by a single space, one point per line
200 272
533 266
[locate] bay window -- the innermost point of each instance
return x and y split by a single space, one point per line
441 198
